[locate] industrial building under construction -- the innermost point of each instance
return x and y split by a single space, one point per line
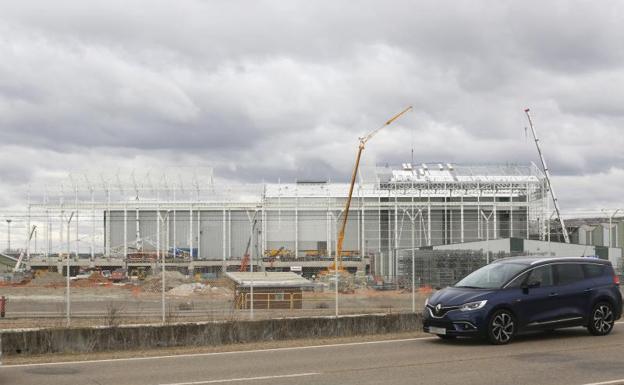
206 226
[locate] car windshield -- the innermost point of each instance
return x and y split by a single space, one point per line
492 276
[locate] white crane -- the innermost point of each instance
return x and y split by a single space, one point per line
18 265
566 237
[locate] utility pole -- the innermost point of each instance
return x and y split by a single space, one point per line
67 293
487 235
611 224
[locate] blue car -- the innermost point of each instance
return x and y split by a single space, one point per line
519 294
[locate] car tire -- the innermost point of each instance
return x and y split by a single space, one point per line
446 337
501 327
601 319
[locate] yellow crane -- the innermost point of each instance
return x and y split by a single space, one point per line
338 260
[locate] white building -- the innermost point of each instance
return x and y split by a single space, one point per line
392 208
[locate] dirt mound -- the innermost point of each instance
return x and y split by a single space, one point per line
153 283
96 277
48 279
187 289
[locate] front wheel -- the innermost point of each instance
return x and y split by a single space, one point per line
602 319
501 328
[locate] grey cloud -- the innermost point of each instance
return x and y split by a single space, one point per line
274 89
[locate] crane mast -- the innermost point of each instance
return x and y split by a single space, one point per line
566 236
337 264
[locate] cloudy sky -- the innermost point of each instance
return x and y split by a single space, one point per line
262 90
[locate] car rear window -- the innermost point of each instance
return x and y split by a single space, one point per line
569 273
593 271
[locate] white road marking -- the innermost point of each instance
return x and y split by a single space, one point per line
245 379
217 353
620 381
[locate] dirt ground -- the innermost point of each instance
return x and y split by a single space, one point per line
97 302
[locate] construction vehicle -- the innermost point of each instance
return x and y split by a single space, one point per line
336 266
18 265
119 275
20 274
273 255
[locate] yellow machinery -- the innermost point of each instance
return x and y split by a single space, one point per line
337 264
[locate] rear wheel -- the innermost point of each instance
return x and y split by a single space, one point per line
501 328
602 319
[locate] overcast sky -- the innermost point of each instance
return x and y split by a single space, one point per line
262 90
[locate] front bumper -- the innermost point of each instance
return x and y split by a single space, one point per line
456 322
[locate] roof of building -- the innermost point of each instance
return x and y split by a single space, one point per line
375 181
268 279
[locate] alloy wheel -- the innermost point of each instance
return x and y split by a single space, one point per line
603 319
502 327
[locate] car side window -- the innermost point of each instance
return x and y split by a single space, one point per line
569 273
593 271
541 276
518 281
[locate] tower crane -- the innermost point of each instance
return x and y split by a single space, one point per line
337 264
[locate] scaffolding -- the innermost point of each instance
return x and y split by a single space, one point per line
185 214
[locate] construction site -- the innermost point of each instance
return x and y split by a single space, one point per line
130 239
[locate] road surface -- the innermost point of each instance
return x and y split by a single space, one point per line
567 357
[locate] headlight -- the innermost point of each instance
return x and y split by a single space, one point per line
473 305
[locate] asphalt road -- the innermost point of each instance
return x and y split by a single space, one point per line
568 357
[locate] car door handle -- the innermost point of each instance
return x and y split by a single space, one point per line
588 290
553 294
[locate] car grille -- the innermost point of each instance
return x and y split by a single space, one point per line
442 311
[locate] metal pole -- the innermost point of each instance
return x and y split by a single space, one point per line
487 241
191 232
413 264
160 256
77 224
611 224
92 226
67 290
28 228
251 254
9 235
125 237
175 219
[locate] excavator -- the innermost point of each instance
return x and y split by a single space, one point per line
273 254
337 266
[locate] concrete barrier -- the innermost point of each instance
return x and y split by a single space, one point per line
98 339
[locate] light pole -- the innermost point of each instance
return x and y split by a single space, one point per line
67 293
487 234
9 235
611 222
550 220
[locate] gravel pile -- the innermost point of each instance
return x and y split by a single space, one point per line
153 284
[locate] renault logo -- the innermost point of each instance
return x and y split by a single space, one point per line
438 308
